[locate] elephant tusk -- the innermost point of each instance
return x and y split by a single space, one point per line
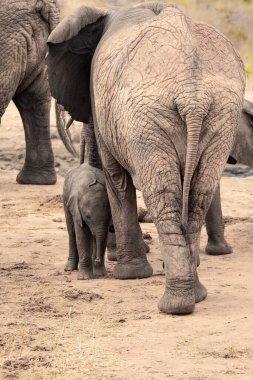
69 123
62 128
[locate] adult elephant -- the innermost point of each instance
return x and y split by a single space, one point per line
165 93
24 28
242 152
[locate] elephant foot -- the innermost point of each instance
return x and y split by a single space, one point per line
85 274
99 271
200 291
111 255
135 269
170 303
70 266
216 249
143 215
36 177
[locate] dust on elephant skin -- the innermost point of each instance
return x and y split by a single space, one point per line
148 75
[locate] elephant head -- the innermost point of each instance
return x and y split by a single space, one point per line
243 148
148 75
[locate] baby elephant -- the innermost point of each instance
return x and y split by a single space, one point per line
88 218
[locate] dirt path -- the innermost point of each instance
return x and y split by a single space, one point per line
55 327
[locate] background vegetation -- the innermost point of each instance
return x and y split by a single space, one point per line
233 17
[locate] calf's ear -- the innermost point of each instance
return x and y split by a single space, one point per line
248 112
71 48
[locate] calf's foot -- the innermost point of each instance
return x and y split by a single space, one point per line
99 271
71 265
85 274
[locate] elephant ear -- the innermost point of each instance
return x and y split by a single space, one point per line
71 47
248 108
99 175
157 8
247 111
49 11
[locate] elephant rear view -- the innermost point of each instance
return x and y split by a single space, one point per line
24 28
165 93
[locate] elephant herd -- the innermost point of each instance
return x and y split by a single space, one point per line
162 97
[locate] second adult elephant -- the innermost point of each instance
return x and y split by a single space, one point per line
242 152
24 28
166 94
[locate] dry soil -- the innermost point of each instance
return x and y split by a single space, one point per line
53 326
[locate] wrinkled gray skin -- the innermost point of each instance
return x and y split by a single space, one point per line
243 153
89 149
88 216
24 28
166 94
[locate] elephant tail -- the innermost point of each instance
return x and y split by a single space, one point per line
193 132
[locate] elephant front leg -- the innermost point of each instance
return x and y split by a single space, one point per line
217 244
131 257
34 107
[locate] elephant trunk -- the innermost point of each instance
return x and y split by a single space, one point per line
89 138
193 132
100 246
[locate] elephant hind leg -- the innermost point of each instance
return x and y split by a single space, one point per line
84 242
217 244
33 104
160 182
72 262
131 257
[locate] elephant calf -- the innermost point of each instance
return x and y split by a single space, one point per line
88 216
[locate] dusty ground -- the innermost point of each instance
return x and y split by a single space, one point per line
55 327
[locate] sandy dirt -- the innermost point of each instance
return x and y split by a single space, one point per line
53 326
